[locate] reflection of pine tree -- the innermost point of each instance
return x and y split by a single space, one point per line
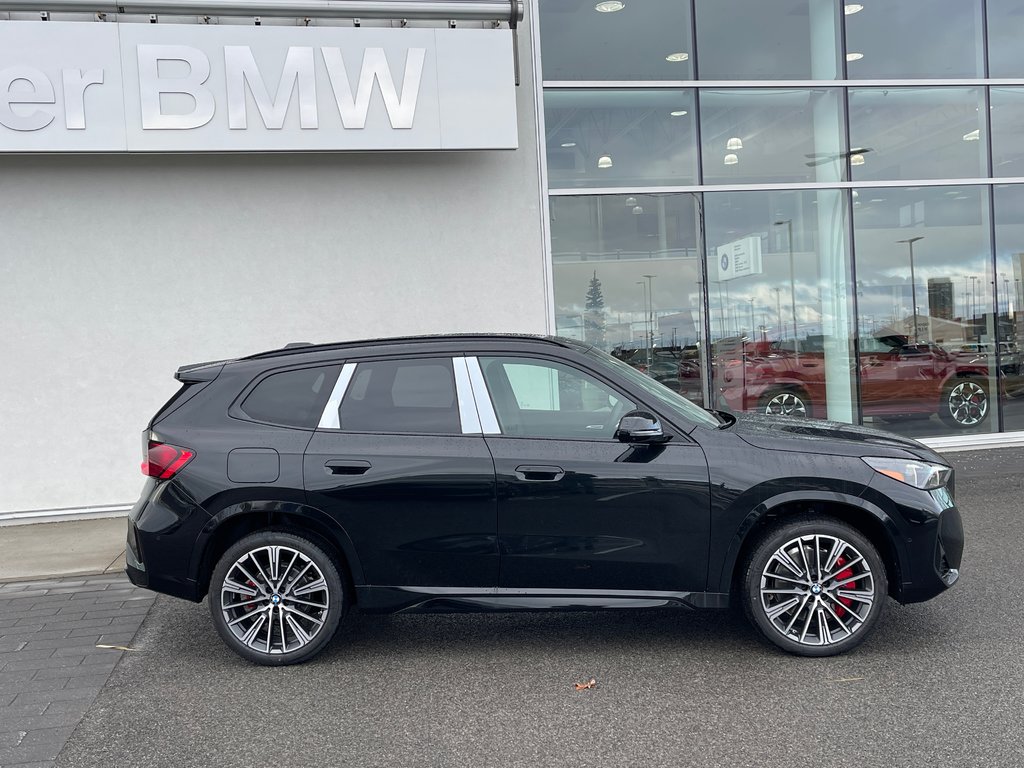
593 318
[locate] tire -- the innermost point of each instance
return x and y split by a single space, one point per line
785 402
286 625
965 402
824 617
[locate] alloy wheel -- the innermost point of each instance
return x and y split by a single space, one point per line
967 403
817 590
785 404
275 599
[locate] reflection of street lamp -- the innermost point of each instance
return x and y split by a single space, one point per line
792 280
778 309
751 300
650 312
974 304
913 282
643 287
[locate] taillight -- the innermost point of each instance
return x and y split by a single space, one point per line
164 461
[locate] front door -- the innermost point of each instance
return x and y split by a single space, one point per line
394 465
576 508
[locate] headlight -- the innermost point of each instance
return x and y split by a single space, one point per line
919 474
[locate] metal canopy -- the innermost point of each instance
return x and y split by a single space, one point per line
510 11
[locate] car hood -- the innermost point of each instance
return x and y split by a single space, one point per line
780 433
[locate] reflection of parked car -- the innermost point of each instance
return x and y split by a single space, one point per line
897 378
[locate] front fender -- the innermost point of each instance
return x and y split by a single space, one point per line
784 502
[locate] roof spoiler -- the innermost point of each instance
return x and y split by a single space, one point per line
199 372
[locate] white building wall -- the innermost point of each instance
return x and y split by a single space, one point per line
116 270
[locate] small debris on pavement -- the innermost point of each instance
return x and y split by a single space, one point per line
116 647
592 683
846 680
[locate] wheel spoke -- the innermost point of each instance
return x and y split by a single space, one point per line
248 575
796 614
861 596
321 606
780 577
313 586
840 568
275 557
835 616
242 589
784 558
250 636
777 610
269 582
306 616
300 634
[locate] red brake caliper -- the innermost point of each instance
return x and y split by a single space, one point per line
842 576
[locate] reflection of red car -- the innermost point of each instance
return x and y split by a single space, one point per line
897 378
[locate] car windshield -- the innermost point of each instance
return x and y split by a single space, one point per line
677 404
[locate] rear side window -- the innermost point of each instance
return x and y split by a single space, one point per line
292 398
411 396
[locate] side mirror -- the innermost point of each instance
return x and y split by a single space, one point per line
640 427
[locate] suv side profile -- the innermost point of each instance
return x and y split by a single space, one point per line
485 472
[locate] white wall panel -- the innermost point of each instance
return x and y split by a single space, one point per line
115 270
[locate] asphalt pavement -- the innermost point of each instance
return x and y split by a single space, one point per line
936 684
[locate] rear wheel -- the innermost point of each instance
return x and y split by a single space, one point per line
814 586
965 402
785 402
276 598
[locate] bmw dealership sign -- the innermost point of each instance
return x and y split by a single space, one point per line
106 87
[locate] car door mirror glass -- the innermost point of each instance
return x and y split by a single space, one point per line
640 427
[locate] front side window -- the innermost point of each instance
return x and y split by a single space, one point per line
402 396
540 398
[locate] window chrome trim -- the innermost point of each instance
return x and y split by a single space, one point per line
329 419
468 416
484 406
778 84
693 188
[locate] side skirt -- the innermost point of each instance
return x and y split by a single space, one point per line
487 599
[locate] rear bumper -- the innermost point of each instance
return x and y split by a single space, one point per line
162 529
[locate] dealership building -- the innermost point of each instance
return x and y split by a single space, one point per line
800 206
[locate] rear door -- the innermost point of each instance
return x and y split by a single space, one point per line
399 461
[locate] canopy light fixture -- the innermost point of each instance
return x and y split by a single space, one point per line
678 113
851 8
637 210
568 144
609 6
974 135
734 143
604 161
854 56
731 159
856 159
680 56
630 200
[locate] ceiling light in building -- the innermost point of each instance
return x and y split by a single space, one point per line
974 135
609 6
854 56
637 210
604 161
630 200
877 200
856 194
962 197
857 159
678 113
568 144
734 143
731 159
681 56
851 8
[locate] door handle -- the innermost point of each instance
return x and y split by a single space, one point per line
539 474
346 467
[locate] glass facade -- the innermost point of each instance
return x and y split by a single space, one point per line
799 206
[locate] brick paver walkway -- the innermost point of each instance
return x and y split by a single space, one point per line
51 662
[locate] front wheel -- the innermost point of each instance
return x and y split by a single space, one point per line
814 586
965 402
276 598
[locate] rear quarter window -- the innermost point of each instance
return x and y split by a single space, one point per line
291 398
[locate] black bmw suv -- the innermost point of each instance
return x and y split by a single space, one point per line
519 473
